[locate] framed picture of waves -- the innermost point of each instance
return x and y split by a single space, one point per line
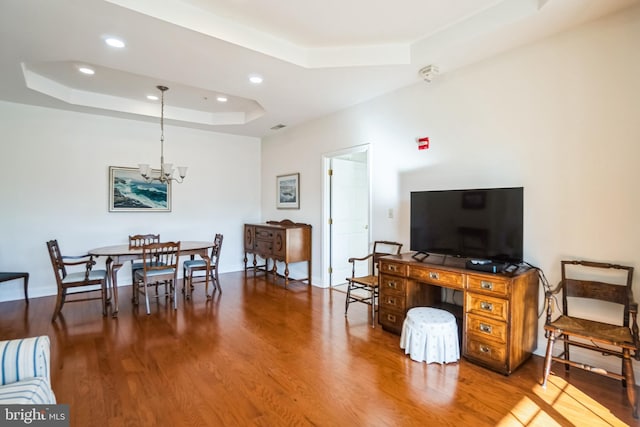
129 192
288 191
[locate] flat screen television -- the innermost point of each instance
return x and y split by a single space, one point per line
476 224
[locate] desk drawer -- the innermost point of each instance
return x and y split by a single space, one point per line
395 268
390 284
485 305
449 279
391 320
483 327
392 301
490 353
487 284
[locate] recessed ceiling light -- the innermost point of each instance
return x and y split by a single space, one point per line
255 79
152 97
86 70
222 99
114 42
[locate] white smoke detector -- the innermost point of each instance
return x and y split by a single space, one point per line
428 73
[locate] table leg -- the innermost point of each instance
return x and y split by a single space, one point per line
26 284
112 277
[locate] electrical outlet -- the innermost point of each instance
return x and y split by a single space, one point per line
390 214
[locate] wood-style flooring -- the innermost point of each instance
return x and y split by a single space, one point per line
260 355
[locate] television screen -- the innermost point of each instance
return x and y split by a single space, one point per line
477 224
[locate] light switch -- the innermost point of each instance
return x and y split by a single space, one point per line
390 214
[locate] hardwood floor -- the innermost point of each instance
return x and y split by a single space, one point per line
258 354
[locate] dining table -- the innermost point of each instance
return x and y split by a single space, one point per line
117 255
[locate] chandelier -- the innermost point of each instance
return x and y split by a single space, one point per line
166 169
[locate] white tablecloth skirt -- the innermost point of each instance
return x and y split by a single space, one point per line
430 335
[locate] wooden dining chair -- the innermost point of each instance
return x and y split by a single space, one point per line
191 268
369 281
160 267
137 241
583 281
87 280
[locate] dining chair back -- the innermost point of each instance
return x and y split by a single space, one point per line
85 281
160 266
137 241
192 268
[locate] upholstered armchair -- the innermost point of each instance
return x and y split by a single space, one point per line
25 372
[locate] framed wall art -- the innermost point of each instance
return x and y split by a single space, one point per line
129 192
288 191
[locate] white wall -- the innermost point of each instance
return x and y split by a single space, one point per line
54 168
559 117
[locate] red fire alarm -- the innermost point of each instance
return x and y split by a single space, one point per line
423 143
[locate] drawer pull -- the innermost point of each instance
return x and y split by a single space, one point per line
391 301
486 285
392 267
486 306
392 285
485 328
485 349
434 275
391 318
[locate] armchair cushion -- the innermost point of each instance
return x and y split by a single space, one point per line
25 371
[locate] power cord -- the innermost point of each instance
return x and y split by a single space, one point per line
545 286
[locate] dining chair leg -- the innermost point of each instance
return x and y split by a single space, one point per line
146 297
175 295
58 308
346 303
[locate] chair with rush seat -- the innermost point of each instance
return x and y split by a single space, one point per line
582 283
369 281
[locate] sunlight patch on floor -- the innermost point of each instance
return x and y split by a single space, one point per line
560 404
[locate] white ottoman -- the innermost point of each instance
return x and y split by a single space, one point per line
430 335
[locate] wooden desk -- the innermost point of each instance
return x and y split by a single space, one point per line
499 315
284 241
119 254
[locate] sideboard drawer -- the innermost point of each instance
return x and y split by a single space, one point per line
485 305
488 285
264 247
484 327
436 276
263 233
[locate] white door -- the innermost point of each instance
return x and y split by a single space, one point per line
349 207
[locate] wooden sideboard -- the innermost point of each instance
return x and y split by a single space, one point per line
284 241
499 313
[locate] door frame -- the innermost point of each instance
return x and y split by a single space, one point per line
326 204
